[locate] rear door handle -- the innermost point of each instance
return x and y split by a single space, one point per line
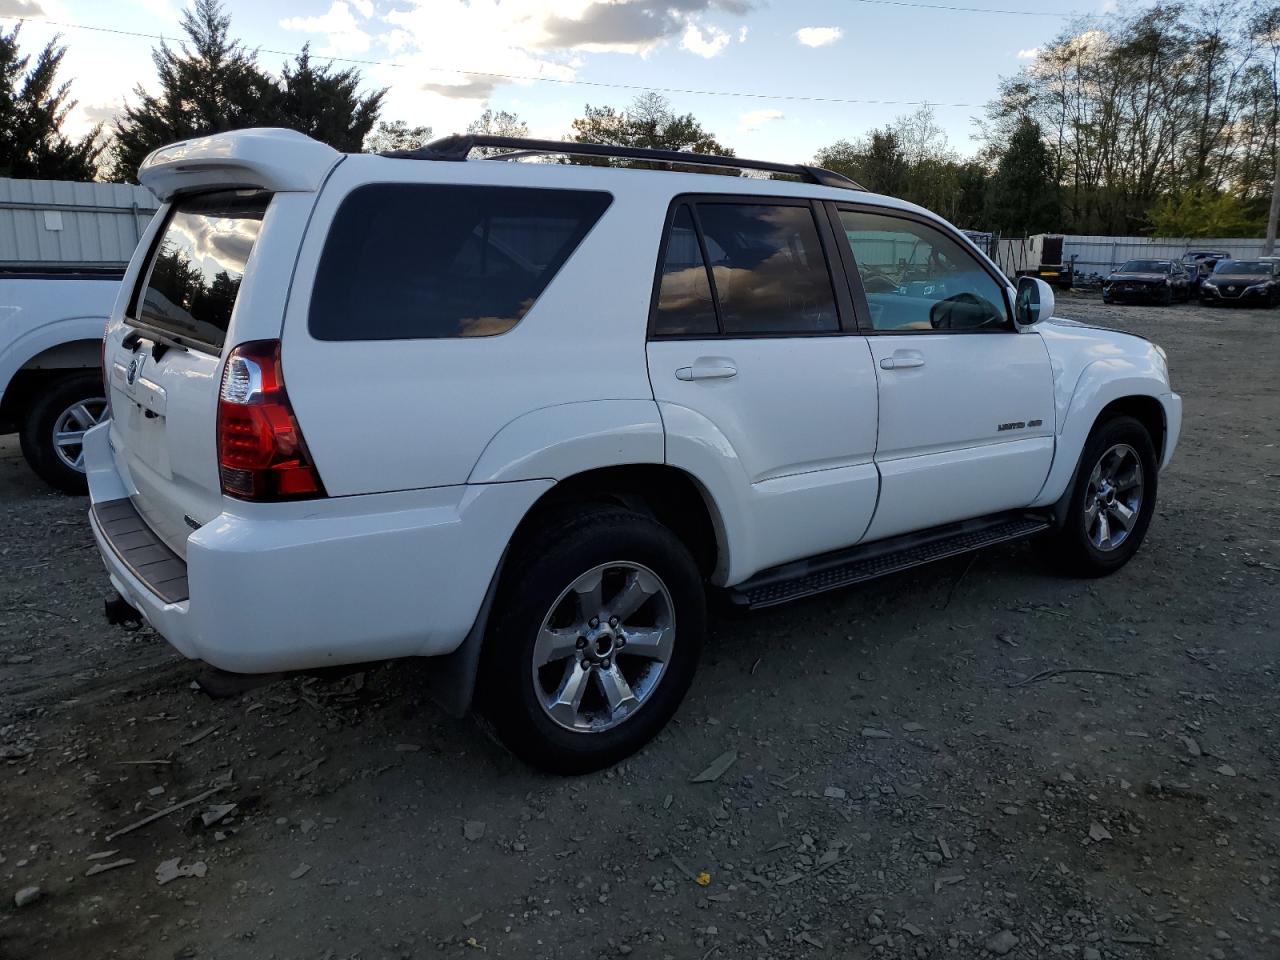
708 368
901 363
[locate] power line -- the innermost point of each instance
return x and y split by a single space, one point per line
741 94
955 9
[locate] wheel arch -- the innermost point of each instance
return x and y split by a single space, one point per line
670 495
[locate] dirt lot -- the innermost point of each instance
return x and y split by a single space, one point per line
907 783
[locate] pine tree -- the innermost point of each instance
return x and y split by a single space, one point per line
326 105
1023 196
211 83
33 108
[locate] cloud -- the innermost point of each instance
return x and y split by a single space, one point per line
20 8
473 88
755 119
363 7
340 26
1029 54
818 36
742 34
706 44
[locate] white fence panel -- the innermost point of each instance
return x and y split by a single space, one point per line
1104 254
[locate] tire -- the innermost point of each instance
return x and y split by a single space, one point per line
1073 547
55 408
634 554
1166 297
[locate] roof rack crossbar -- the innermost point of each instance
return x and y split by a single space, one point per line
459 146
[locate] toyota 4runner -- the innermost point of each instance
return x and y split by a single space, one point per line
524 417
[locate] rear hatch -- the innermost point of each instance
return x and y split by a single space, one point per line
164 362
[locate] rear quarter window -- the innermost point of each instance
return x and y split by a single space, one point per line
429 261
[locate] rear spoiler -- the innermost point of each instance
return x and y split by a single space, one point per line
266 158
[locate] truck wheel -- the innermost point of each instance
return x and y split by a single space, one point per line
596 633
1111 502
1166 296
53 430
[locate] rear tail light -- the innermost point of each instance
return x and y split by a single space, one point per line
261 453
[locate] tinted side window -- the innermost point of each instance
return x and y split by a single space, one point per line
199 263
768 267
685 305
918 278
422 261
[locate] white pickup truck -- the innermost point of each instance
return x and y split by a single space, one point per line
51 327
524 417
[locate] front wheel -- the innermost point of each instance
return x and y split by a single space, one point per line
1111 503
595 637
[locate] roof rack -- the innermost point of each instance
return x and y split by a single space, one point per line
459 146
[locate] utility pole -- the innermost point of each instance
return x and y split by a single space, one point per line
1269 247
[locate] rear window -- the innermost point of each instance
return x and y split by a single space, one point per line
199 264
425 261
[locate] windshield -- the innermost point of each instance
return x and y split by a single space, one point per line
1244 268
1146 266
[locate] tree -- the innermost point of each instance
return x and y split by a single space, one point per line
1201 213
501 123
876 162
1023 194
1265 27
33 108
211 84
325 105
650 123
396 135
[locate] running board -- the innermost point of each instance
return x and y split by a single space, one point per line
804 578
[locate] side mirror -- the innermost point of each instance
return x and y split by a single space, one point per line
1034 302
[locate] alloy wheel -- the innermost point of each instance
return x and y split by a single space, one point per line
603 647
70 427
1113 498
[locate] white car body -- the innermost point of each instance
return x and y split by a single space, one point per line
433 451
51 327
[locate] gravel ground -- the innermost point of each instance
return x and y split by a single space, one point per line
906 781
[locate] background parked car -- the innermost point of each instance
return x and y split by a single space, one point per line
1158 281
63 249
50 365
1200 263
1247 282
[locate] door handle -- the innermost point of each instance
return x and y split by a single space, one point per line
707 370
901 363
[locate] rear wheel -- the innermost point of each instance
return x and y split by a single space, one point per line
1111 503
53 430
594 640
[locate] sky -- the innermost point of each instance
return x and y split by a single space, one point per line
791 53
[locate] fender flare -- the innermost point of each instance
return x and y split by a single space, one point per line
1100 383
34 342
554 443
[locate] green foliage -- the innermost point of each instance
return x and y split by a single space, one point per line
396 135
1023 196
33 108
650 123
211 84
911 159
1203 214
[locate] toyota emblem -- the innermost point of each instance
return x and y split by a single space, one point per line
132 373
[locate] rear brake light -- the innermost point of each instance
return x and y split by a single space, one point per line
261 453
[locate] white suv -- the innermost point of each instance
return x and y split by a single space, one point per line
520 416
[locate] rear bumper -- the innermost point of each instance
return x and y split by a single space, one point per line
295 586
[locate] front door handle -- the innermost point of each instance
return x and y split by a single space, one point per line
901 363
708 368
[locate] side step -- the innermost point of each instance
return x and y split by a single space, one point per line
804 578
